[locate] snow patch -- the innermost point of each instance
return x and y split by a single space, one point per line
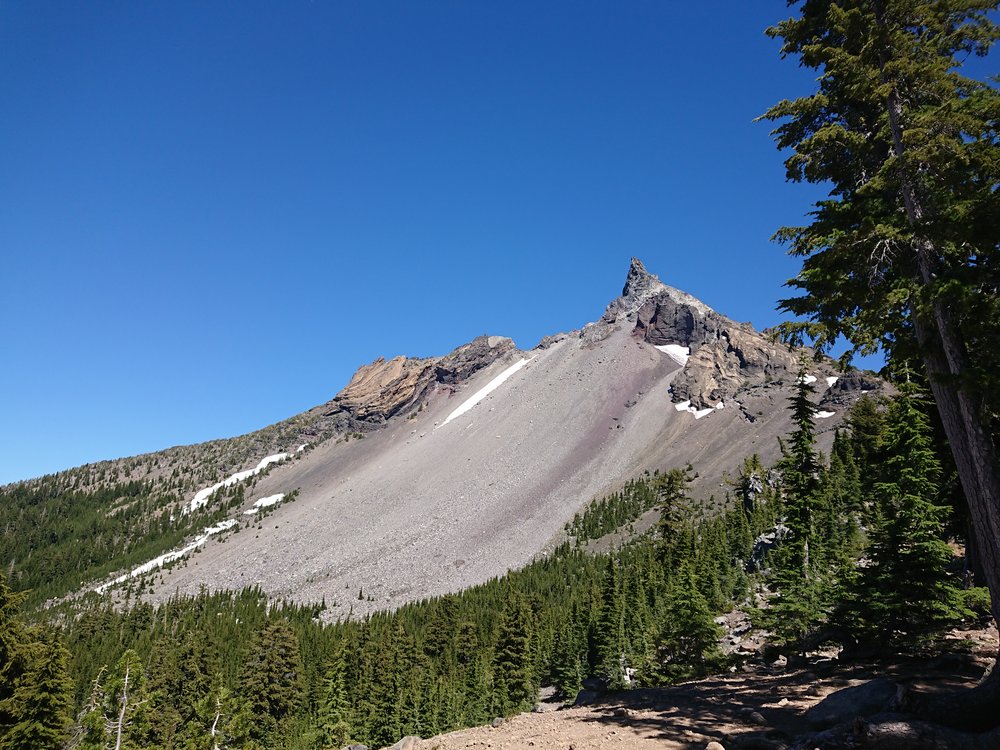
201 498
807 379
831 380
302 447
265 502
676 352
698 413
169 557
824 414
485 391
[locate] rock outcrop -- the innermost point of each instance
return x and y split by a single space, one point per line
384 388
725 357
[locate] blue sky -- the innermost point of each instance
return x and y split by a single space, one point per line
212 213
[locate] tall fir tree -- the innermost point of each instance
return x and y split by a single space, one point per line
335 706
611 642
41 700
688 644
906 590
797 567
515 681
272 682
903 253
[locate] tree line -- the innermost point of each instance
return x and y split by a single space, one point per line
234 670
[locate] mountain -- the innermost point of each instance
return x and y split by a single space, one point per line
428 475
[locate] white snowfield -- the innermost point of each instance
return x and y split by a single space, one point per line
202 497
265 502
676 352
824 414
831 380
808 379
169 557
485 391
698 413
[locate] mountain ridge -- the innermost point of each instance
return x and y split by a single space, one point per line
426 475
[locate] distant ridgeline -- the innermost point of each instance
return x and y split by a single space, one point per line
237 670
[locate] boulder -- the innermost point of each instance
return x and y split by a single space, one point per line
852 702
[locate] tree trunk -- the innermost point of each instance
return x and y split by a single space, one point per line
965 423
121 715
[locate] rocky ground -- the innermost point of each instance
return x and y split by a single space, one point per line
761 708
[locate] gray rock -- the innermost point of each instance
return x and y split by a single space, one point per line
752 717
850 703
498 721
356 747
410 742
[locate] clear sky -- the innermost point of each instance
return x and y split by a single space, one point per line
212 213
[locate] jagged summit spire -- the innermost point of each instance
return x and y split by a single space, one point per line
640 283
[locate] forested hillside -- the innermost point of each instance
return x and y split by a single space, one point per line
235 670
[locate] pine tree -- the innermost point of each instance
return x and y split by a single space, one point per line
513 662
688 645
41 700
902 254
610 634
12 640
675 528
906 590
797 566
334 708
272 679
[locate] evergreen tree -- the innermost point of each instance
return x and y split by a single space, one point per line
334 709
12 662
272 679
676 524
41 700
906 590
610 641
903 253
797 566
513 663
688 644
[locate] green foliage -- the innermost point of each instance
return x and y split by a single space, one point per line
514 671
688 644
905 590
272 682
907 148
35 687
41 699
611 513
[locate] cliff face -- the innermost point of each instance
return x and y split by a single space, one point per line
726 359
385 388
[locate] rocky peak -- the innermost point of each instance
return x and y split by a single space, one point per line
640 283
642 286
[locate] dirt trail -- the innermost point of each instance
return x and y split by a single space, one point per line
759 709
